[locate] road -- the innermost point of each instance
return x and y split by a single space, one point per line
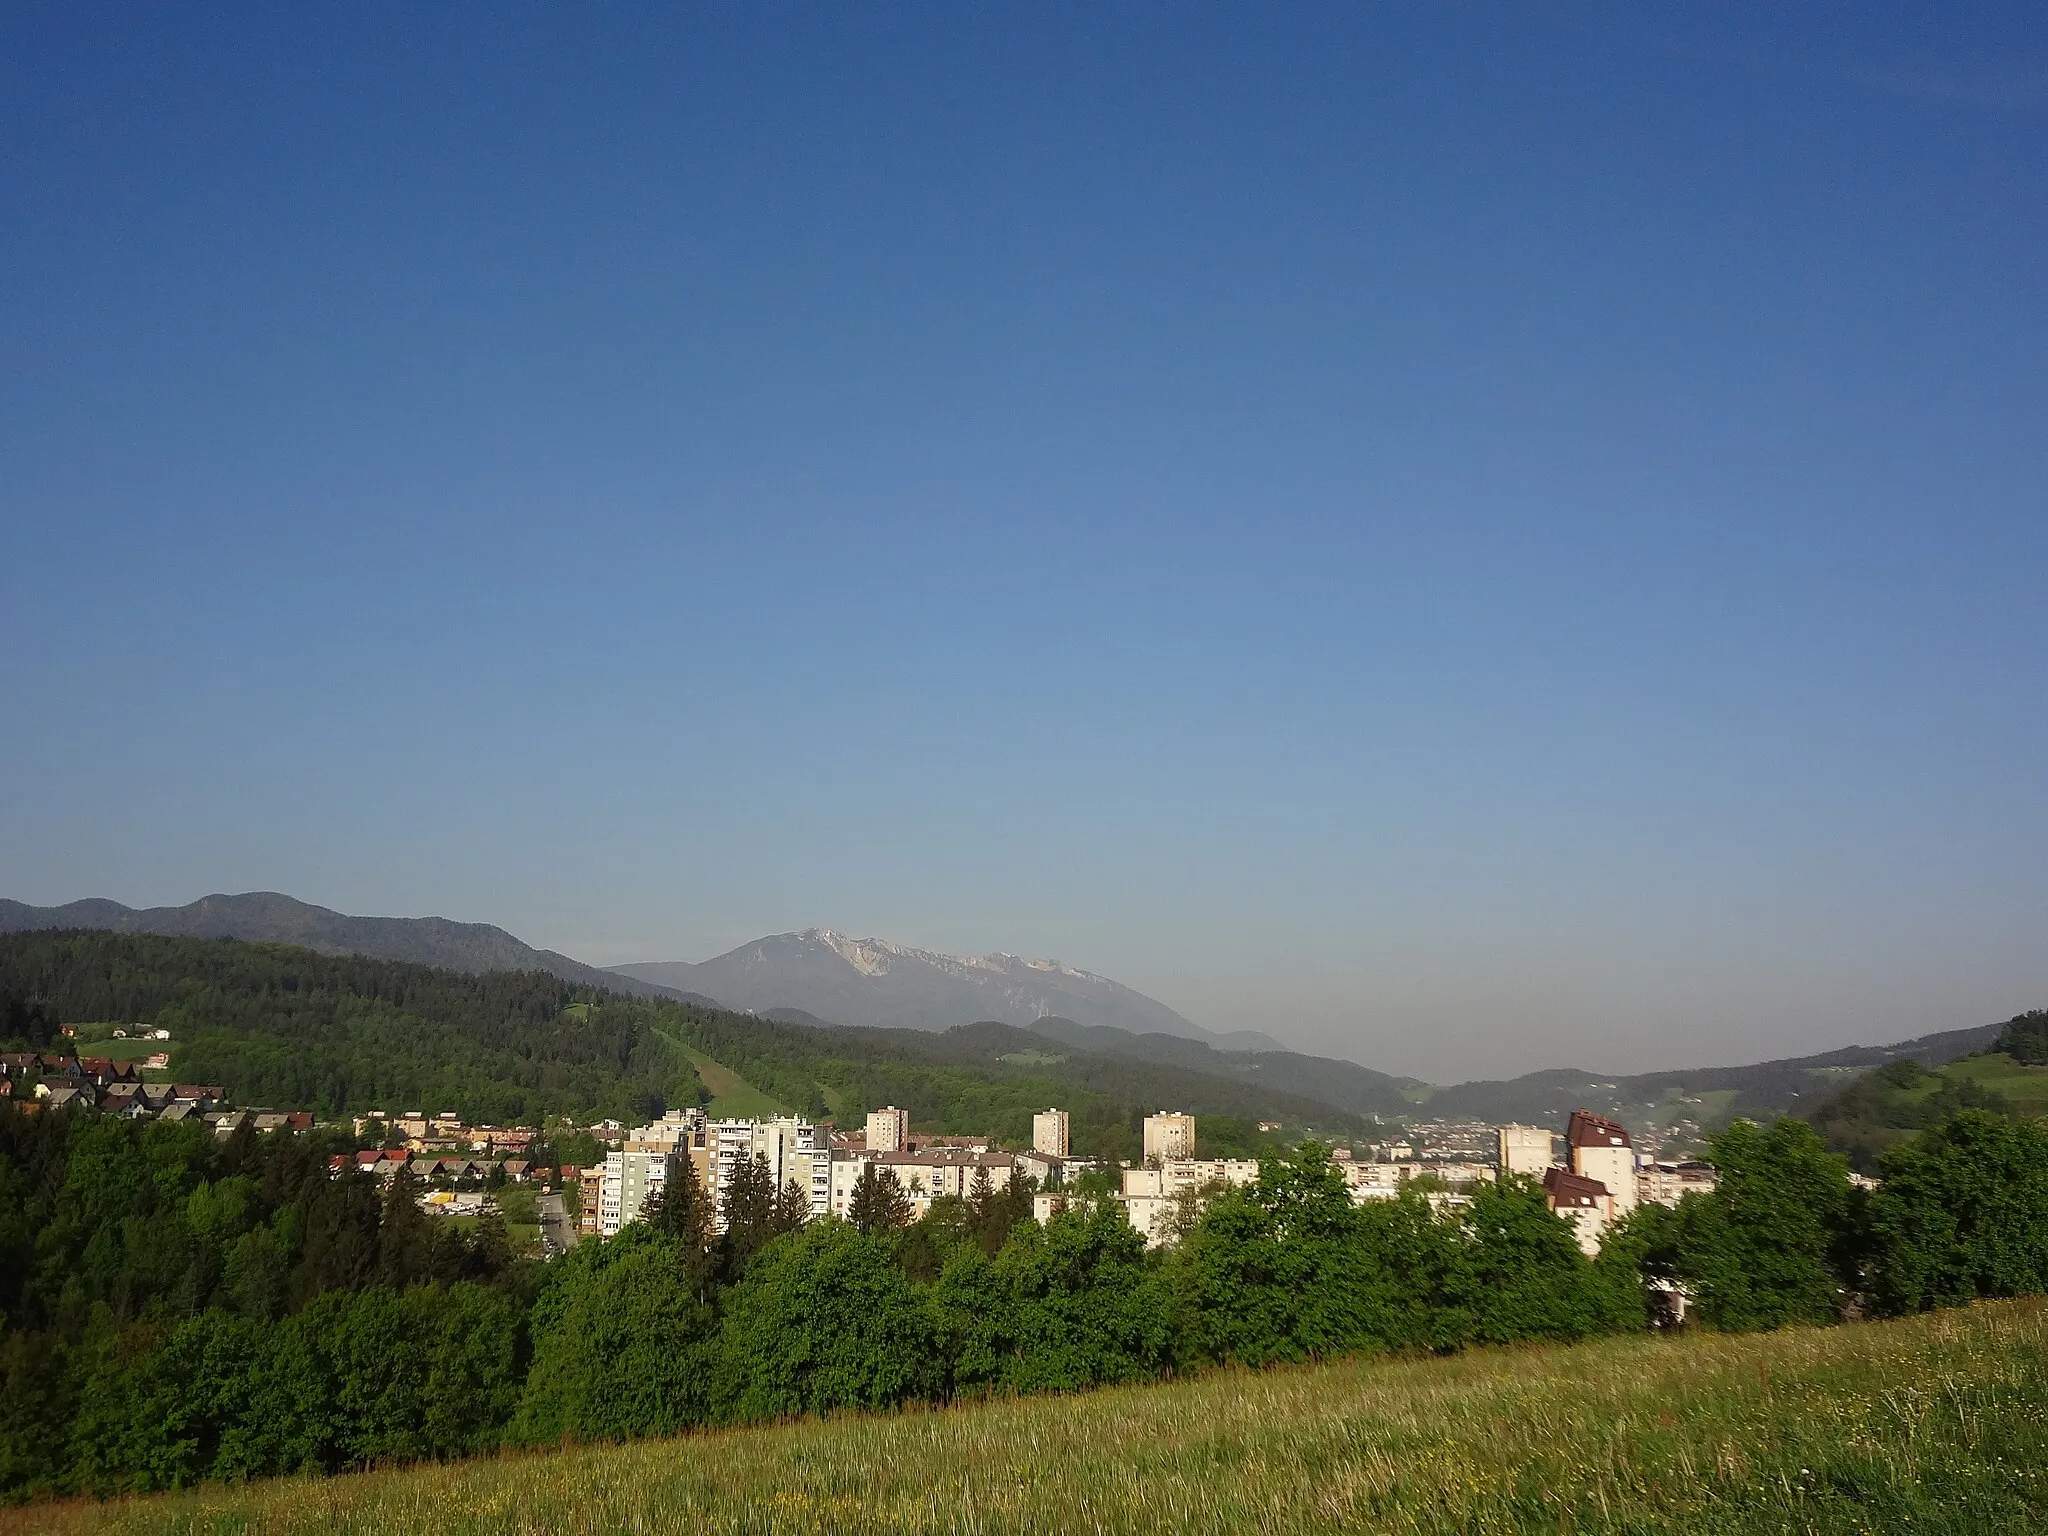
558 1233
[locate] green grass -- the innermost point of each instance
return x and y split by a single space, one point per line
732 1096
835 1101
1934 1424
2025 1087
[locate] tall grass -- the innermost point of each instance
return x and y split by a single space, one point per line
1937 1423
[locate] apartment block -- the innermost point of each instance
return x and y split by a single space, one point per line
1669 1183
629 1179
1189 1175
1169 1134
794 1149
1523 1149
1586 1203
923 1176
1049 1132
1600 1149
888 1129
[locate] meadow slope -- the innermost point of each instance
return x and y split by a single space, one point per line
1934 1423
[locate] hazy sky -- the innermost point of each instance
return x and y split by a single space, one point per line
1470 538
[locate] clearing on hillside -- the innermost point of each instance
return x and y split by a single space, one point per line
732 1096
1929 1424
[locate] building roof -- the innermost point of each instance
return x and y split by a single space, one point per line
1572 1190
1586 1129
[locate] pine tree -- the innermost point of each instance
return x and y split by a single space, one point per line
982 1215
749 1207
879 1204
792 1209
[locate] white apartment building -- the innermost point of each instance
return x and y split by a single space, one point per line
1586 1203
1669 1183
1189 1175
1153 1216
1169 1134
629 1178
1049 1132
1524 1149
1601 1150
888 1129
794 1149
923 1176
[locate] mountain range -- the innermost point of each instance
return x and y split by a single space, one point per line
875 983
814 977
269 917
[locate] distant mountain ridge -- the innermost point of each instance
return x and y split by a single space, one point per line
875 983
1765 1088
267 916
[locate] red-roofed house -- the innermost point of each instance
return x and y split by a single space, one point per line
1585 1203
1600 1149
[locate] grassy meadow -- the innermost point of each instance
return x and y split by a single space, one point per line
1938 1423
732 1096
2025 1088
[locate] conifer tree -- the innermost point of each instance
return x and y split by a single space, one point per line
879 1204
792 1209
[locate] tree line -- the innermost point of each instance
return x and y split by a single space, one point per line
176 1307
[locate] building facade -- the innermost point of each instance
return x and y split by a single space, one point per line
1169 1134
922 1176
1602 1150
793 1149
888 1129
1049 1132
1669 1183
629 1180
1523 1149
1586 1203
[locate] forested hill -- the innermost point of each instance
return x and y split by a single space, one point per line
290 1028
270 917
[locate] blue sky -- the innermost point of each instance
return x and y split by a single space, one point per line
1472 538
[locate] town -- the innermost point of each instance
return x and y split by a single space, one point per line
1591 1172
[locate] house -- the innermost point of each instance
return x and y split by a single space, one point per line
125 1100
1601 1150
1586 1203
101 1071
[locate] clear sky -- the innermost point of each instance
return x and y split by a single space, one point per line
1471 538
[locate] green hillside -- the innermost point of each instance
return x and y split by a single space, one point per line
1893 1104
